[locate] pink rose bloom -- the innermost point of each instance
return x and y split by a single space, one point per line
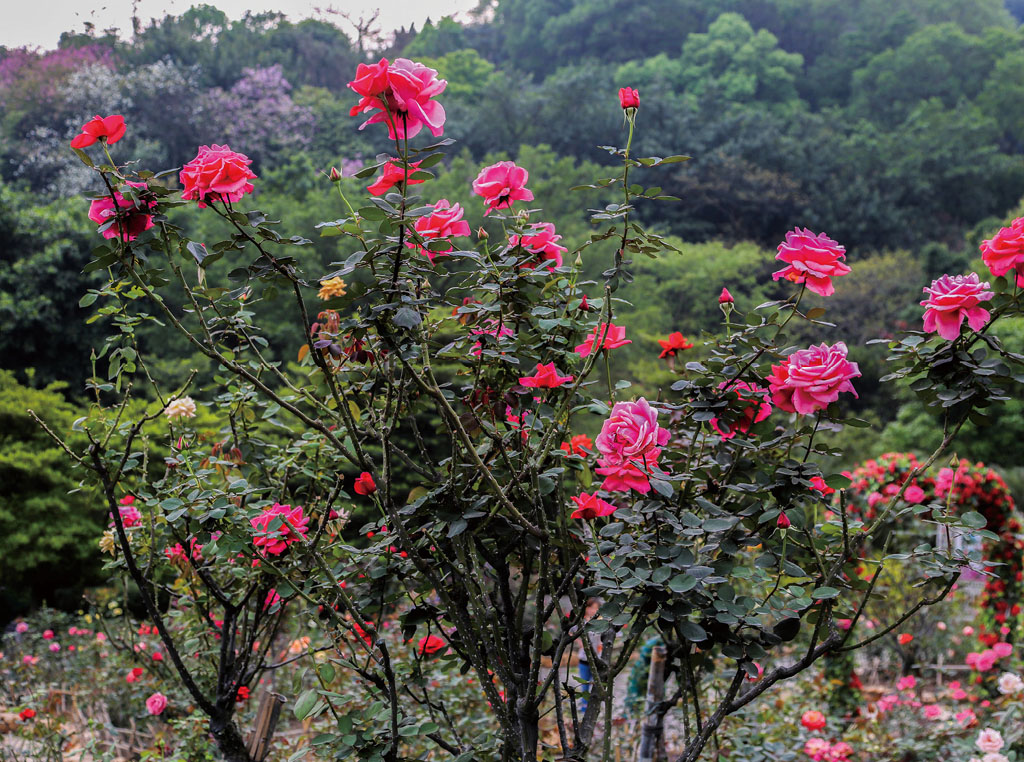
886 703
932 711
913 494
402 94
989 741
278 527
816 748
156 703
950 300
130 218
391 175
756 411
546 377
130 515
590 507
968 630
840 751
844 624
995 757
444 222
29 659
982 662
630 432
272 599
811 258
906 683
1002 650
20 628
1005 251
101 637
623 477
55 647
216 174
542 241
966 718
812 378
47 634
614 337
491 329
813 720
875 498
109 128
501 184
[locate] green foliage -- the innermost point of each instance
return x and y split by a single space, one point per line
48 527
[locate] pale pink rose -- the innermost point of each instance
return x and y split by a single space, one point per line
29 659
989 740
130 218
541 241
630 433
913 494
1002 650
156 703
55 647
1005 251
20 628
216 174
953 298
614 337
816 748
995 757
757 409
812 378
941 626
811 258
445 221
840 751
968 631
502 184
1010 684
402 94
278 527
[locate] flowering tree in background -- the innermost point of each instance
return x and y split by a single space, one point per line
444 389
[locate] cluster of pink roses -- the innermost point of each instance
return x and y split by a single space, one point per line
278 527
983 661
821 750
402 93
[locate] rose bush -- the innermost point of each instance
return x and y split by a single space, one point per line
485 536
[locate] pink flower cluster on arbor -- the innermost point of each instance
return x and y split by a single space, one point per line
402 94
811 259
953 298
630 444
278 527
216 174
812 378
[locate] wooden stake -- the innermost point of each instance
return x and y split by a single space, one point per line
266 722
651 747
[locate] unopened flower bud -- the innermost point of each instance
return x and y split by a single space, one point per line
334 174
725 297
481 234
629 98
783 522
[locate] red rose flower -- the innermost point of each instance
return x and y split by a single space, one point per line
110 129
365 485
216 174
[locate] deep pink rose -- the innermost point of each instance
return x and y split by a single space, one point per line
278 527
156 703
953 298
109 128
1002 650
623 477
590 507
1005 251
402 94
130 515
756 411
546 377
444 222
725 297
913 494
811 258
630 433
130 218
392 174
502 183
614 336
216 174
812 378
629 97
542 241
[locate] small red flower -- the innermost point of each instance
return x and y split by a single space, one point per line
590 507
110 129
725 297
905 638
243 694
26 714
783 522
820 486
134 675
431 644
546 377
578 445
675 342
365 485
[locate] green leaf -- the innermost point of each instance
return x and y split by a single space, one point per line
824 593
974 520
304 704
682 583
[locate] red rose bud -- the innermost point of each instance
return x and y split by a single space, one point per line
335 177
725 297
629 98
783 522
481 234
365 485
584 304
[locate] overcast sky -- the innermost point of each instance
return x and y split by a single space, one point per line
40 22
